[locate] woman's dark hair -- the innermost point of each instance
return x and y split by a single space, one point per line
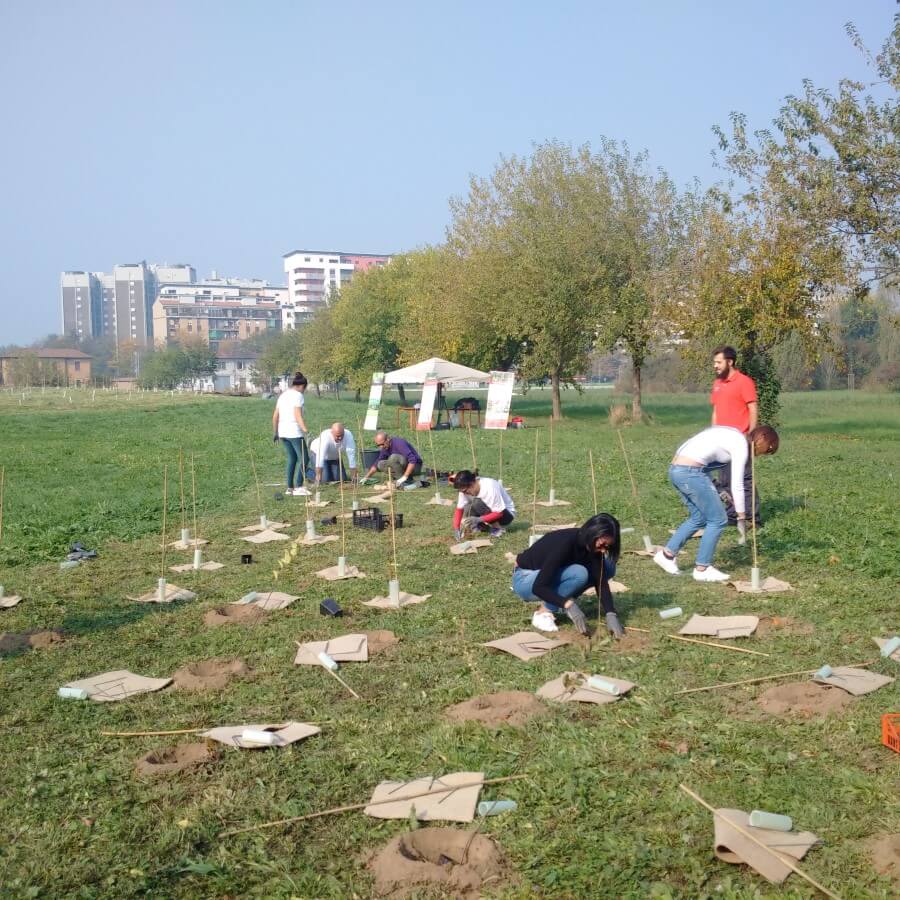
299 380
463 479
602 525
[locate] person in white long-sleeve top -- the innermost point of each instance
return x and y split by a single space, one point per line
326 452
688 473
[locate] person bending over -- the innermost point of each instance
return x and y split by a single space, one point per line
289 427
484 505
396 456
558 568
326 452
688 473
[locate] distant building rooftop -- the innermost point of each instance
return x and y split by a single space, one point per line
44 353
231 352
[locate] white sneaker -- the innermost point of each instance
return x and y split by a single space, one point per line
666 564
710 573
544 621
301 492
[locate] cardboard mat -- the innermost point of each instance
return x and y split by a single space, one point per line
267 536
405 600
10 601
768 585
525 645
172 593
721 627
854 681
269 600
472 546
119 685
332 573
441 801
271 525
346 648
572 687
204 567
287 732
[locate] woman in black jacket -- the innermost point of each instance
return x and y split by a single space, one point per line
562 564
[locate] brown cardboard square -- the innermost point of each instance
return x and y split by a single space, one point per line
895 656
172 593
346 648
442 501
615 587
269 600
553 503
440 800
265 537
204 567
721 627
288 733
469 546
733 847
332 573
854 681
572 687
768 585
188 545
10 601
525 645
405 600
318 539
119 685
546 528
271 525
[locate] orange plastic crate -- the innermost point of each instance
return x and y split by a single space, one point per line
890 731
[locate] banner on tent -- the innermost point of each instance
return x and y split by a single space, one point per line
375 392
426 407
499 399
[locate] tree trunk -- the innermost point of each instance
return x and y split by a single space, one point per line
318 391
358 397
402 394
557 401
637 414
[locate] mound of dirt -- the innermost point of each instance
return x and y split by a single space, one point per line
209 675
13 642
437 860
884 851
172 760
379 641
244 614
493 710
633 642
782 625
804 699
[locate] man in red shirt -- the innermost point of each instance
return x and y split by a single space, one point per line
733 396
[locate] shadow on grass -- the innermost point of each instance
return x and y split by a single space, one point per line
92 621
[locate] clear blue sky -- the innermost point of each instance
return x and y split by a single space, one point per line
226 133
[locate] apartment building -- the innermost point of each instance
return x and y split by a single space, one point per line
313 275
80 302
45 366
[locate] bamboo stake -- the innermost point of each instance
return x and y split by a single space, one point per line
354 806
551 458
393 531
472 446
256 479
632 628
753 501
727 684
2 481
634 490
343 520
593 479
743 831
194 497
500 474
433 459
341 680
687 640
181 484
151 733
534 490
162 571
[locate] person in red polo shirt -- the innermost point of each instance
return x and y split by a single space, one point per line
735 405
733 396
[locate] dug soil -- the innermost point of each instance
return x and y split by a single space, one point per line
13 642
436 862
209 675
803 699
172 760
884 851
778 625
244 614
379 641
513 708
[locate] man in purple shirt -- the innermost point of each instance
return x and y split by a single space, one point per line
397 456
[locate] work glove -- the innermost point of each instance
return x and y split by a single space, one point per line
458 533
274 438
614 625
470 523
365 480
400 481
577 616
742 531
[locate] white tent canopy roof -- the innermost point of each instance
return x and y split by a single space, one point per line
440 368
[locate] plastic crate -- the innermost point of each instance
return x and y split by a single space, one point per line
375 519
890 731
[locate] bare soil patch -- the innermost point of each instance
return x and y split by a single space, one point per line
381 640
782 625
436 861
15 642
210 674
884 851
245 614
803 699
633 642
172 760
513 708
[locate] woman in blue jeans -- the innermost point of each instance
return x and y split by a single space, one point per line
289 427
562 564
689 474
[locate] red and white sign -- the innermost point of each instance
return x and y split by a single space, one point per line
426 404
499 399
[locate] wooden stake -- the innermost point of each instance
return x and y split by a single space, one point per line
687 640
162 573
551 456
354 806
472 446
256 478
743 831
194 497
753 500
151 733
2 481
634 490
727 684
393 530
632 628
343 520
181 484
593 479
500 475
433 459
534 490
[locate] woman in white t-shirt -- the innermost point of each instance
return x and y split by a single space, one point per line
688 473
484 505
289 427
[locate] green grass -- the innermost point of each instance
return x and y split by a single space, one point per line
599 815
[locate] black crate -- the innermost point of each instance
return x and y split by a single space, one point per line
375 519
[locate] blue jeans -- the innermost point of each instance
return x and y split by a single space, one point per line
297 460
705 510
330 471
569 582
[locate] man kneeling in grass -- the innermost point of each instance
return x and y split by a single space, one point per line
559 567
484 505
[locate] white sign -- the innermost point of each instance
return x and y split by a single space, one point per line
375 392
499 399
426 405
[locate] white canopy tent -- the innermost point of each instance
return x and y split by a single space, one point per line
442 369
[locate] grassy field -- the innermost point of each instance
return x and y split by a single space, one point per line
600 813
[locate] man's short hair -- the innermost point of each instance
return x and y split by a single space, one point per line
726 351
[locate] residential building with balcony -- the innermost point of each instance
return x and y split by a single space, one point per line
313 275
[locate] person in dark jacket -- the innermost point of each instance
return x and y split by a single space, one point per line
559 567
397 456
